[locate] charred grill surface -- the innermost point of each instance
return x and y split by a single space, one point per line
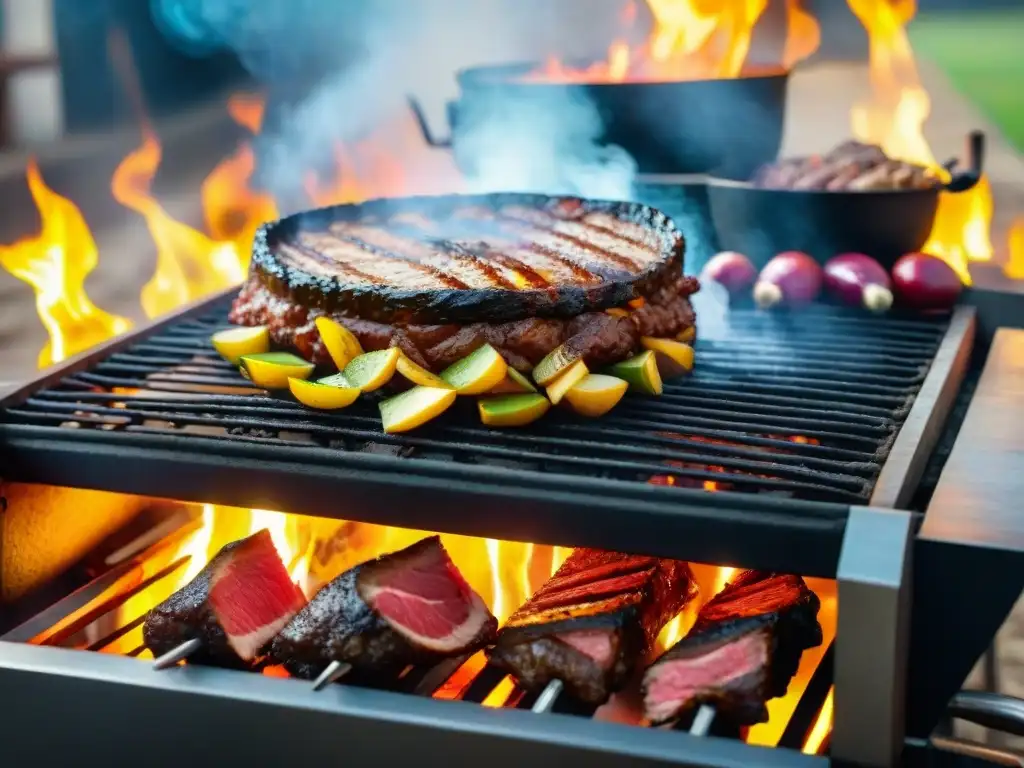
743 649
486 258
408 607
592 622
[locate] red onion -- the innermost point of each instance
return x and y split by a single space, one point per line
924 282
858 280
733 271
791 278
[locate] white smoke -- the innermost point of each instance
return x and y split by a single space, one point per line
369 55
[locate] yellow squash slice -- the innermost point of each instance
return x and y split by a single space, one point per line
372 370
477 373
271 370
687 335
596 394
414 407
554 364
417 374
232 343
512 410
327 394
556 389
341 343
514 383
641 372
674 357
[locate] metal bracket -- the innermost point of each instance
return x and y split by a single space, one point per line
871 637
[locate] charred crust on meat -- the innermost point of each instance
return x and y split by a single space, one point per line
619 281
623 599
340 624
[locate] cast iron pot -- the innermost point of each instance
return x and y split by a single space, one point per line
668 127
884 224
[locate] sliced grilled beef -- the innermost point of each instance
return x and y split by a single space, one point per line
523 343
593 622
743 649
235 605
411 606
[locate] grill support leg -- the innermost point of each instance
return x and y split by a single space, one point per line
871 638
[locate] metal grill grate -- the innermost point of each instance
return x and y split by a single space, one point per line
804 406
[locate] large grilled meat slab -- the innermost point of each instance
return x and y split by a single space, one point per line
593 622
441 276
235 606
408 607
743 649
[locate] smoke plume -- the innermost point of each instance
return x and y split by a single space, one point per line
364 57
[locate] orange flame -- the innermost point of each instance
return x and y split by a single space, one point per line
691 40
894 118
232 210
1014 268
56 263
189 264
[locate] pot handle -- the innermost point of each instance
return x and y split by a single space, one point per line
967 179
992 710
421 121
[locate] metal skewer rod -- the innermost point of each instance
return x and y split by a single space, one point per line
702 720
334 672
173 656
548 696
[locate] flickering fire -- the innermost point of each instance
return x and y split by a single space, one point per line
56 263
689 40
189 264
1014 267
232 210
893 117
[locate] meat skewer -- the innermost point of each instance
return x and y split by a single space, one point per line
586 629
743 649
229 611
407 607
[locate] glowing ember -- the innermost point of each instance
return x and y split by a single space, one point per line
189 264
822 726
894 118
690 40
56 263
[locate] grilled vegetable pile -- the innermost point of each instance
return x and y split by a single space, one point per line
507 397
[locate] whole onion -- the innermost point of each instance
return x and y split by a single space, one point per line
858 280
791 278
925 283
732 270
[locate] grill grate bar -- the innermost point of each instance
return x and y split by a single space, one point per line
805 404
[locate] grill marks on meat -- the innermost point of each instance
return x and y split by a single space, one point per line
235 606
492 258
743 649
851 166
411 606
593 622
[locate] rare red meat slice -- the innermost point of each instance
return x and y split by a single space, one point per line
412 606
743 649
235 605
593 622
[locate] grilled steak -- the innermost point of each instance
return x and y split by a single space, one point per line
235 605
593 622
743 649
441 276
411 606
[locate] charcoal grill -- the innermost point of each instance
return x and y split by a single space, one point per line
813 430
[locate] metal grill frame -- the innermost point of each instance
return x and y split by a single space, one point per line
755 531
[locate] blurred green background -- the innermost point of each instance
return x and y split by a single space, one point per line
982 52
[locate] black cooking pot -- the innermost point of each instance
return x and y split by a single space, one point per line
668 127
884 224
